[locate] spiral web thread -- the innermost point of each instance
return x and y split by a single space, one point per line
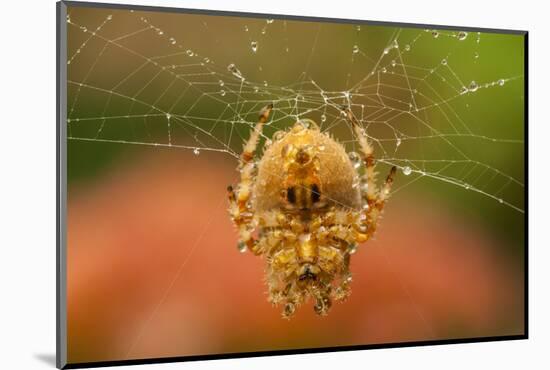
133 81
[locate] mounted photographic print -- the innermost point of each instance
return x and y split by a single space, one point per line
235 184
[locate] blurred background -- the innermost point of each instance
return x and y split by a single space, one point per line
159 105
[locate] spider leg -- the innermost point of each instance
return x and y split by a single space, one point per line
238 199
367 154
375 199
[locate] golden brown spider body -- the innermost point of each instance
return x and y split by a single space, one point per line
310 207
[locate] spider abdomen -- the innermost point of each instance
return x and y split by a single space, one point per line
302 169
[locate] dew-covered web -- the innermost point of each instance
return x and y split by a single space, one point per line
434 103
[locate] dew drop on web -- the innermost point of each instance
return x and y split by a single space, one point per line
355 159
235 71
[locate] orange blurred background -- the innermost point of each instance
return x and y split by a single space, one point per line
153 271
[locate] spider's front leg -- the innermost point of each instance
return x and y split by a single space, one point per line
374 198
239 206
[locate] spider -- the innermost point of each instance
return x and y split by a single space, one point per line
305 208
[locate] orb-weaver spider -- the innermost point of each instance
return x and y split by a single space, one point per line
310 207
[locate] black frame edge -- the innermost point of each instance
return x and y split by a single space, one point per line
301 351
61 194
526 180
291 17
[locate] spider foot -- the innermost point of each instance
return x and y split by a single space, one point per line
322 305
288 310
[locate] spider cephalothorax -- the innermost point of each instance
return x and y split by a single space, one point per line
310 208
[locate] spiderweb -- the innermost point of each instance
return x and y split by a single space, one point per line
434 103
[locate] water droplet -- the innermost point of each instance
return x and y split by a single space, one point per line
355 159
265 83
435 34
398 142
263 31
68 62
78 51
254 46
407 170
235 71
462 35
222 92
407 47
172 40
269 21
501 201
444 62
473 86
206 60
196 151
189 52
256 89
221 83
323 117
476 55
384 70
500 82
463 90
109 17
352 248
393 63
278 135
358 28
355 49
241 246
168 116
245 28
386 51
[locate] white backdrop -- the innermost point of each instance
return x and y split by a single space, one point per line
27 196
